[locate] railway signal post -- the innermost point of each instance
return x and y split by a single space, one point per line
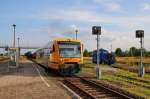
96 30
76 33
14 26
140 34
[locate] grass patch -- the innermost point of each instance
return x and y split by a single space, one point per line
124 79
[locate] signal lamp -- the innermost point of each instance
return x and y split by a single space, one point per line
139 33
96 30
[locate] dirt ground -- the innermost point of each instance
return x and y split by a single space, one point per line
28 82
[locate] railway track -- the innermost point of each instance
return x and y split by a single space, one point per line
88 89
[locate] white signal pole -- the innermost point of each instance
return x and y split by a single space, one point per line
14 35
140 34
98 69
96 30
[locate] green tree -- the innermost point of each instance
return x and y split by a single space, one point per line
85 53
133 51
145 52
148 53
118 52
90 54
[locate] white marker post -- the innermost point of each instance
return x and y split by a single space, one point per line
140 34
96 30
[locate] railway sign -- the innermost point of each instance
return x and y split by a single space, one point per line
139 33
96 30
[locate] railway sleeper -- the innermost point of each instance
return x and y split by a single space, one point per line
105 89
101 94
93 91
80 91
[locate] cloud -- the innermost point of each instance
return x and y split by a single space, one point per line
109 5
73 27
107 38
61 31
105 1
118 38
113 7
146 6
81 16
58 28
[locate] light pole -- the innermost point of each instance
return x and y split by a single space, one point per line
18 47
140 34
18 41
111 48
96 30
76 33
14 35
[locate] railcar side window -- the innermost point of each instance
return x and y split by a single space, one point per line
53 48
79 49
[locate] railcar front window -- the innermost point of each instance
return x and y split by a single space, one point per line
70 50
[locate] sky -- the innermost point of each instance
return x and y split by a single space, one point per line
40 21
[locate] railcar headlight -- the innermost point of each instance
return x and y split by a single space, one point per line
61 60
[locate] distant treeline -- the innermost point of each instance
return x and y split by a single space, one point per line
133 51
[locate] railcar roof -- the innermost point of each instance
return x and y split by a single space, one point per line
67 39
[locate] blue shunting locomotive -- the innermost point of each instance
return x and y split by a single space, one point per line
104 57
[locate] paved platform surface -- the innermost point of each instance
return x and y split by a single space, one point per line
28 82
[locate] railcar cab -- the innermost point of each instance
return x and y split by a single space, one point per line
66 56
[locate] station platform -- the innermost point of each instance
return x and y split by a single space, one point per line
28 82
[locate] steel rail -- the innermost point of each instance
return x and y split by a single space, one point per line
75 85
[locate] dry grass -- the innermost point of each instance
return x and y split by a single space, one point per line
127 59
131 63
2 58
132 60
